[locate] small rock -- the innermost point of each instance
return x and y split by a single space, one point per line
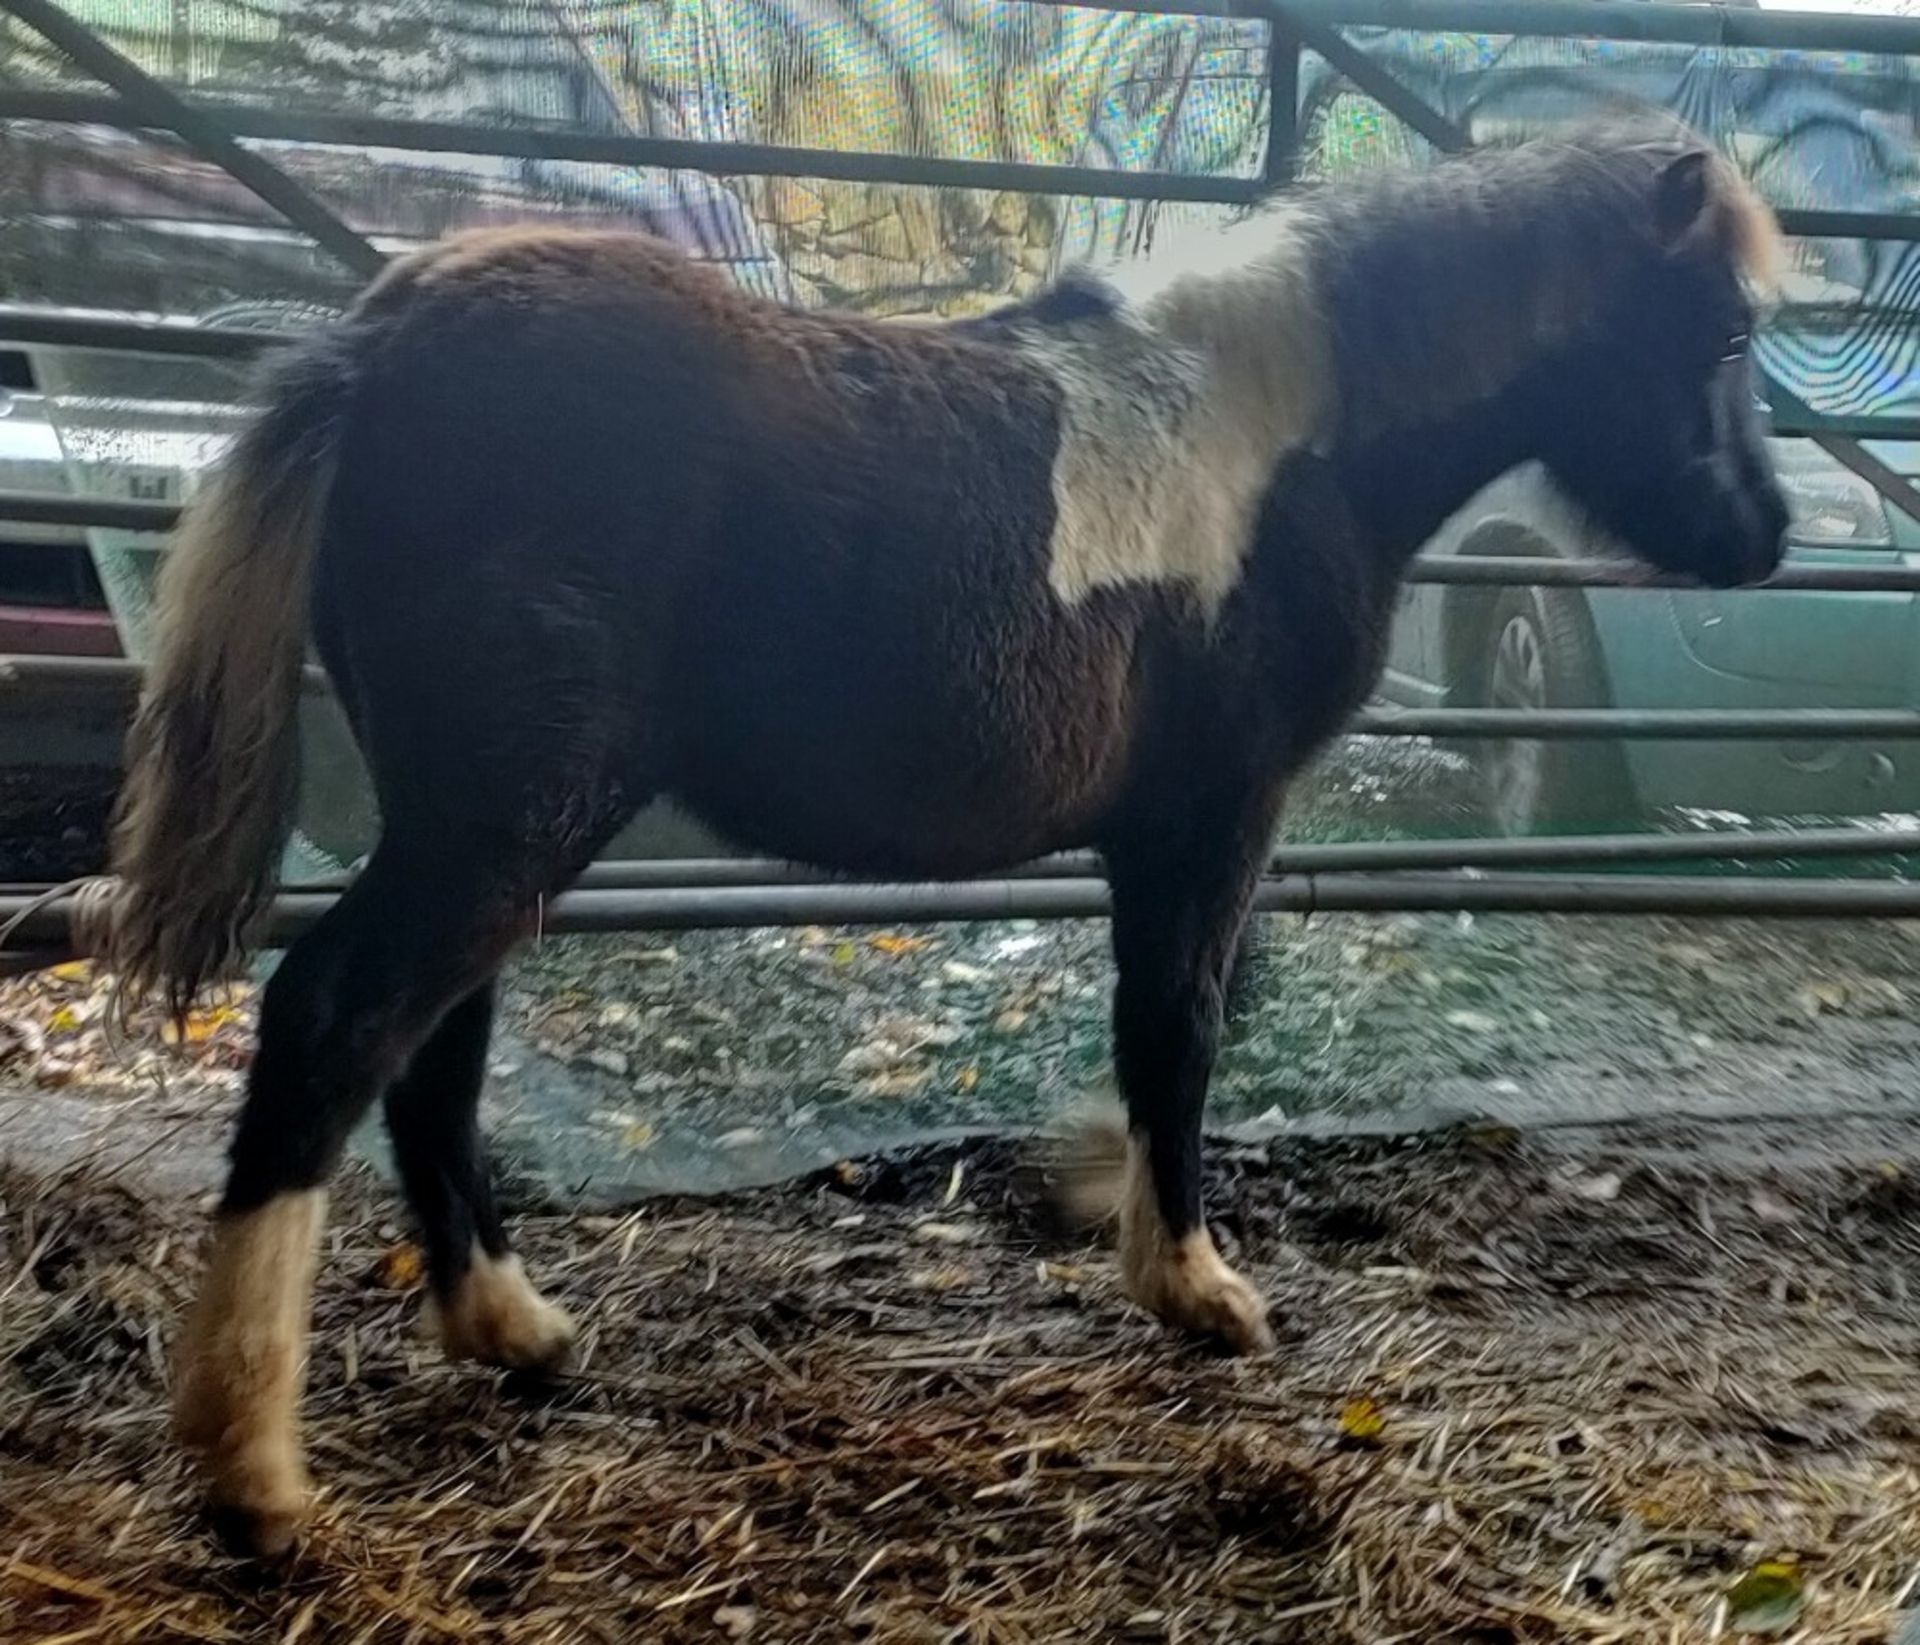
1475 1022
736 1621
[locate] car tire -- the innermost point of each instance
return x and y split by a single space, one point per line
1538 650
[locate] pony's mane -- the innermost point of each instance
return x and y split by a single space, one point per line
1440 282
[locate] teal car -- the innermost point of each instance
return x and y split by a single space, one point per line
1526 648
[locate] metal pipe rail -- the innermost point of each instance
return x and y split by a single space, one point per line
44 925
1345 857
734 159
51 674
1479 570
37 325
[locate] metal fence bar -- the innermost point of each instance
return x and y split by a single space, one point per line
721 159
53 674
1346 857
158 106
1473 570
1650 21
33 325
1654 724
50 508
47 926
854 165
1544 571
37 326
1283 107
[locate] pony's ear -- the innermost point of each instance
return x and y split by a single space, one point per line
1682 197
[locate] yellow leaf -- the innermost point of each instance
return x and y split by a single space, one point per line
200 1026
1767 1600
843 954
72 971
1362 1420
638 1135
63 1021
888 943
968 1078
402 1267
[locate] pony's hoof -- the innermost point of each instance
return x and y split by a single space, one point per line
496 1317
262 1531
1191 1288
1230 1312
257 1501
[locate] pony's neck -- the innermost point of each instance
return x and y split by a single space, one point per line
1402 487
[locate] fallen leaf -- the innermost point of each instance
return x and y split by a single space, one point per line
402 1267
19 1040
638 1135
1063 1273
1819 997
940 1279
874 1057
200 1026
888 942
956 971
1362 1421
967 1079
1475 1022
608 1062
72 971
736 1621
900 1082
944 1233
844 954
1011 1021
1602 1188
1767 1600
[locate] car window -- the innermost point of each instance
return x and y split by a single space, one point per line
1831 506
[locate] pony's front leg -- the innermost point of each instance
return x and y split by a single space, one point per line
1179 905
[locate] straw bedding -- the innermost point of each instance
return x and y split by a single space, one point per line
1554 1387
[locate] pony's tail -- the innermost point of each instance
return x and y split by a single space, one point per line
213 753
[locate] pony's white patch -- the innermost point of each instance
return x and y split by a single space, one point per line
1177 408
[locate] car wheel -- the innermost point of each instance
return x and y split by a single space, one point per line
1538 651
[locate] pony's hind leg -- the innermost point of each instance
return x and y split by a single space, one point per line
348 1008
1179 903
485 1306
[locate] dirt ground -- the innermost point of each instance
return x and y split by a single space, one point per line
1584 1384
1590 1241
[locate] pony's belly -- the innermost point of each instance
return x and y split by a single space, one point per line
888 814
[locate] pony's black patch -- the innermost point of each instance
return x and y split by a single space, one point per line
1077 296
